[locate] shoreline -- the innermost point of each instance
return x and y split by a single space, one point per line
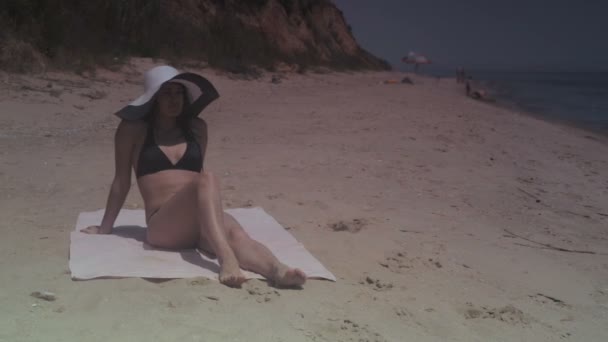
517 108
540 113
600 133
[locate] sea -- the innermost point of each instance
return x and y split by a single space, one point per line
574 98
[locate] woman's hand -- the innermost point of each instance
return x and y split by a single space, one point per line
96 230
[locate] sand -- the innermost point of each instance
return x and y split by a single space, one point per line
444 218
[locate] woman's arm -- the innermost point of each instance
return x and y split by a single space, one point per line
199 126
124 144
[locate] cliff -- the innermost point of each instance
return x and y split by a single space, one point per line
233 35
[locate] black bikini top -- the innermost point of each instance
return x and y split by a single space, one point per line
152 159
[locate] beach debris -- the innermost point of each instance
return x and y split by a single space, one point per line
212 298
436 263
556 301
529 194
575 214
44 295
391 82
549 246
407 80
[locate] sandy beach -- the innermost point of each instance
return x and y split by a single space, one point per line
443 218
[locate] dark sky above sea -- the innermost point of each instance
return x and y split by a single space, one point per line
557 35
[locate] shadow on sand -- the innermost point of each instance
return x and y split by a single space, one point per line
192 255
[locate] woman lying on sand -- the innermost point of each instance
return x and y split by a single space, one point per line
163 140
477 94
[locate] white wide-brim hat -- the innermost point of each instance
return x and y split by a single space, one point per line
200 92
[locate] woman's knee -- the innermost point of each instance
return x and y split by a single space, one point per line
234 232
206 180
236 235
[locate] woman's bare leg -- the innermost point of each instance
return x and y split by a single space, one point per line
211 218
254 256
193 217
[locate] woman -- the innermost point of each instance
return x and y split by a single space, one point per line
162 139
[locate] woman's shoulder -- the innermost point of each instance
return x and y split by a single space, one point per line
199 123
199 126
132 126
131 129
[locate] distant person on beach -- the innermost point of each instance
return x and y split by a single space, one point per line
460 75
162 139
476 93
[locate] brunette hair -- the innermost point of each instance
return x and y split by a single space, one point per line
183 120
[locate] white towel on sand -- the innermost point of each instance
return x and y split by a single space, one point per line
124 253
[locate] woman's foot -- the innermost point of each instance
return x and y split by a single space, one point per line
285 276
230 274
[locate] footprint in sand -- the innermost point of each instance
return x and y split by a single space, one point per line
351 226
600 295
275 196
261 295
200 281
345 330
508 314
376 284
403 313
399 262
359 333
